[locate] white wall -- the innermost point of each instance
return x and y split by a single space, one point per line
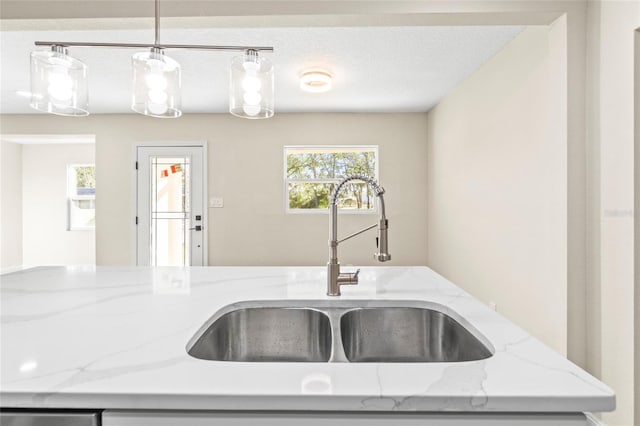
46 240
497 184
611 124
10 205
246 169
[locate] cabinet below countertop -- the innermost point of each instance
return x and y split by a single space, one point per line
204 418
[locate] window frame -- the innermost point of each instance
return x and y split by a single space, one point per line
338 148
71 197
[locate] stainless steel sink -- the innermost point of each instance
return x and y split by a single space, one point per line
263 334
401 334
338 331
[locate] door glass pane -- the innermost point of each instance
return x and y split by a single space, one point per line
170 208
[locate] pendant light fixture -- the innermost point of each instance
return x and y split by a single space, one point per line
59 82
251 91
156 80
156 84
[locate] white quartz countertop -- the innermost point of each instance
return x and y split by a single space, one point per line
116 337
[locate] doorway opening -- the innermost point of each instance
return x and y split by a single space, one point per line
48 200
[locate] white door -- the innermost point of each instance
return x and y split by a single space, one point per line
170 216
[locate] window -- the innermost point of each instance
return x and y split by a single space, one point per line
312 172
81 197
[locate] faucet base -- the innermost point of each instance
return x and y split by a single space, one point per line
335 278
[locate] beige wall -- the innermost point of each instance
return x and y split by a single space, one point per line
611 121
593 320
46 240
10 205
246 169
252 228
497 184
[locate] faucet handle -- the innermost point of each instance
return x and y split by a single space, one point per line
348 278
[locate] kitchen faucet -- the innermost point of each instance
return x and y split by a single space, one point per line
334 277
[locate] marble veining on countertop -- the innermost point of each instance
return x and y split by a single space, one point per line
115 337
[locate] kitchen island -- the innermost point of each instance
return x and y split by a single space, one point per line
114 339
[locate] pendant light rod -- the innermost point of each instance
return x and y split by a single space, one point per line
156 44
152 45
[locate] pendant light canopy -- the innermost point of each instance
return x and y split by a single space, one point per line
58 83
156 85
251 90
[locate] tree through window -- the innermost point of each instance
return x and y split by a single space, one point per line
312 173
81 197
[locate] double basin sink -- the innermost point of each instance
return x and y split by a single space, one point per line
337 331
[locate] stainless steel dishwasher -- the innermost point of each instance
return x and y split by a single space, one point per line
14 417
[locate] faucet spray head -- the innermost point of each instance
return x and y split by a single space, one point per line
382 242
382 257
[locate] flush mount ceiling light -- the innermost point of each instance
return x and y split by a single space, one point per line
59 81
315 81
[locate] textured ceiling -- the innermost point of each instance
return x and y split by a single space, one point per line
375 69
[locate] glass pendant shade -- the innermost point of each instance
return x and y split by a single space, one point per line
156 85
252 86
58 83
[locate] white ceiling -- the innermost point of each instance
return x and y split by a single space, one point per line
375 69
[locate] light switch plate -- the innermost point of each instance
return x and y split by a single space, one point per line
216 202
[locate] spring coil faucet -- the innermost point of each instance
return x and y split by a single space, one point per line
334 277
